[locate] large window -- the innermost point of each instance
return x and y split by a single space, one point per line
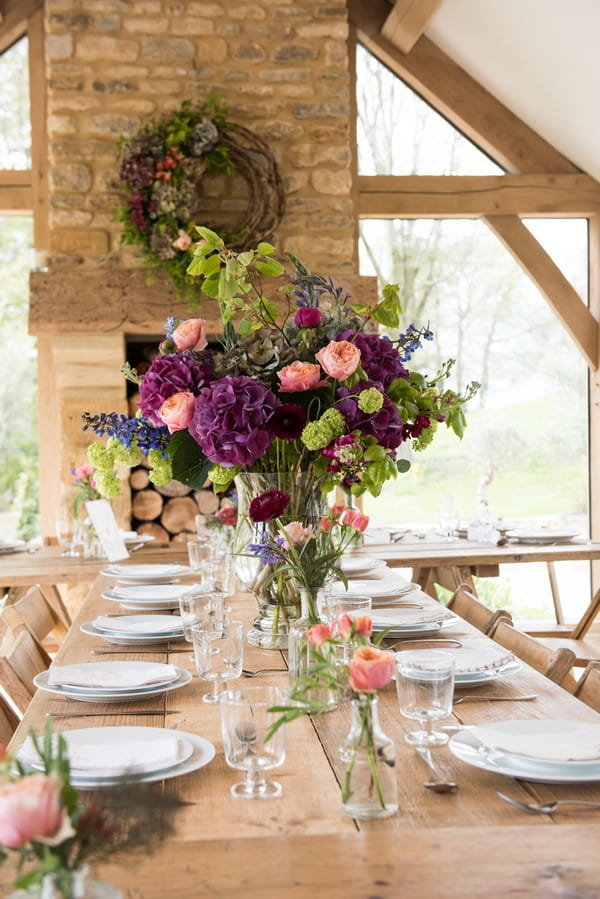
526 446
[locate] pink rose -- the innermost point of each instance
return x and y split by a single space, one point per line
363 625
318 633
177 411
370 669
296 533
337 510
30 809
190 335
339 359
308 317
326 524
344 625
300 376
84 471
352 518
183 241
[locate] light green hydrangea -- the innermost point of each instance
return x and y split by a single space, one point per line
101 456
222 477
132 456
316 435
335 421
370 400
107 483
161 472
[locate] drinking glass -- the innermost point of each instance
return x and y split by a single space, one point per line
198 554
344 604
218 652
65 534
245 724
197 605
425 685
449 520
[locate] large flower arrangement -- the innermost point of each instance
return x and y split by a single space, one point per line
301 385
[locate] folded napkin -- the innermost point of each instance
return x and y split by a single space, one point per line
132 625
106 759
103 675
484 658
406 616
565 741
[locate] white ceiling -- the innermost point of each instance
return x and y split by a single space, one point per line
540 58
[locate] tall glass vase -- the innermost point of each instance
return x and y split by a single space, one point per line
278 596
301 653
369 787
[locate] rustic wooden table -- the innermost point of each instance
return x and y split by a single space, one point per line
301 845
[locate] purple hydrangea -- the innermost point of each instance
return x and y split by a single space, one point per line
169 374
379 357
385 426
230 420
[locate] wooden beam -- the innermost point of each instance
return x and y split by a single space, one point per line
543 271
407 21
457 96
15 178
594 395
17 200
14 20
39 144
471 196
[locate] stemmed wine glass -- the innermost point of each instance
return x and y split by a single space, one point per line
65 534
425 685
245 724
218 652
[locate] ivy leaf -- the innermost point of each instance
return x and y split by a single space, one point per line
388 312
190 465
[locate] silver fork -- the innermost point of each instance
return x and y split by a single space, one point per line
495 698
545 808
248 673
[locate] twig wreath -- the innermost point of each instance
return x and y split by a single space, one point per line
161 172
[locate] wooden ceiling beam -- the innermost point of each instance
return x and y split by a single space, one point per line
457 96
472 196
407 21
13 23
543 271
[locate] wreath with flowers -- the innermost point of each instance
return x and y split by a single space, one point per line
162 168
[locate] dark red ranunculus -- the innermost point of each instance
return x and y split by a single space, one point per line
287 421
269 505
307 317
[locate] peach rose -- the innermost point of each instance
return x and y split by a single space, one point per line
177 411
297 533
370 669
318 633
354 519
30 809
300 376
183 240
363 625
190 335
339 359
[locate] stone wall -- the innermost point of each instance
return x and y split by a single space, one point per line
282 67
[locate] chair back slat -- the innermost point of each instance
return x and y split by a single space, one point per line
43 614
20 661
469 607
554 664
588 686
8 721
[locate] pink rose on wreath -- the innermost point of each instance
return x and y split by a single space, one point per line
183 241
297 533
300 376
190 335
30 809
370 669
339 359
354 519
177 411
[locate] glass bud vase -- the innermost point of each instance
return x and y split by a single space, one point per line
369 788
81 887
301 652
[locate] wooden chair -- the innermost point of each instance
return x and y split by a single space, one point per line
20 661
41 611
463 603
588 686
8 721
554 664
585 646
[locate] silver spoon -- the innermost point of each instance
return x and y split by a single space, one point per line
494 698
439 785
545 808
248 673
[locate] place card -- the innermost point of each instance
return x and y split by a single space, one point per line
107 529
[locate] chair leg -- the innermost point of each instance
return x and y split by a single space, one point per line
558 610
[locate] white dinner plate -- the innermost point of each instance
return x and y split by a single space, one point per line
153 572
360 564
357 587
95 671
147 592
126 695
468 748
420 629
542 537
202 752
130 639
139 625
486 675
408 617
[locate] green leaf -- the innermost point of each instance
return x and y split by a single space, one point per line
190 465
360 308
269 309
245 327
272 268
403 465
375 453
265 248
211 236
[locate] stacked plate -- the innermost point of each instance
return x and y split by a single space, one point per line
107 756
542 537
135 630
546 751
408 621
152 573
12 546
112 681
482 665
384 590
360 565
147 597
132 537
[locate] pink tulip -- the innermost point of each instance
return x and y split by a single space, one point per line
336 510
370 669
339 359
30 809
354 519
326 524
363 625
177 411
300 376
190 335
344 625
318 633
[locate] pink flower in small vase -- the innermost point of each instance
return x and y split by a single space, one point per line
30 809
352 518
183 241
318 633
177 411
297 533
339 359
370 669
190 335
83 471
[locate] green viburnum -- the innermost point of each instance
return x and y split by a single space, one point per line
335 421
126 456
316 435
370 400
161 472
102 457
107 483
222 477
